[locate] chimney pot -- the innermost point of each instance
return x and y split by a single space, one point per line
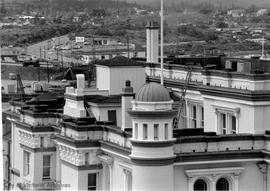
127 83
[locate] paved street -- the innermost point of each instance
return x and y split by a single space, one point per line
50 54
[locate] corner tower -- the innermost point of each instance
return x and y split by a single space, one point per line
152 140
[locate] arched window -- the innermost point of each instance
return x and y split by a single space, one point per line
222 185
200 185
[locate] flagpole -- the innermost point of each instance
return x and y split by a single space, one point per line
161 42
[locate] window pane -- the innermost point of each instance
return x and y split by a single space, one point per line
46 166
145 133
202 112
222 185
112 116
200 185
155 131
92 181
46 172
166 131
223 123
136 130
194 116
26 158
41 141
86 158
233 124
46 160
194 112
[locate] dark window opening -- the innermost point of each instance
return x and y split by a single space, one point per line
200 185
92 181
112 116
222 185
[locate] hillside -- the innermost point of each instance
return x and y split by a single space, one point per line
235 3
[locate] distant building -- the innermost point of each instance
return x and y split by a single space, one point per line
99 12
262 12
236 13
257 40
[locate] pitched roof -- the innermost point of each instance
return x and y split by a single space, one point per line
103 99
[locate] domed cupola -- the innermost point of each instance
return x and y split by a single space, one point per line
152 97
152 136
153 92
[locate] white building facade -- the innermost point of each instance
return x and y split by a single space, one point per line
120 136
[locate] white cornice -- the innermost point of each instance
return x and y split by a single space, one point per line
215 171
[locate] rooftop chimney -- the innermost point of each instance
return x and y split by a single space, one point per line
74 105
127 97
152 42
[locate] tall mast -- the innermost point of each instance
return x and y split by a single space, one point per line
263 47
161 43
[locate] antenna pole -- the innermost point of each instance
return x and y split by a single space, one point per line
263 47
161 42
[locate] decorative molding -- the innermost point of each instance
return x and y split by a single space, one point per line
83 167
152 161
70 155
38 150
152 143
234 110
214 171
105 159
155 114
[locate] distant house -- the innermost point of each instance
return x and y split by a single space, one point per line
257 40
262 12
10 54
236 13
76 19
98 12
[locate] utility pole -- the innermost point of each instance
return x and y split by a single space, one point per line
38 67
263 47
62 64
128 24
161 43
48 75
40 53
94 49
128 45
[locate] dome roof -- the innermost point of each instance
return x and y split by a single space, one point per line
153 92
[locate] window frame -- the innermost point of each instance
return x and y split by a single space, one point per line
86 158
96 181
230 121
195 117
136 131
228 181
145 131
156 131
26 163
46 167
41 142
166 131
230 113
206 183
